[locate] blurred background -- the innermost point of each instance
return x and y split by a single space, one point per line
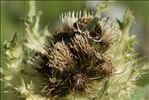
12 13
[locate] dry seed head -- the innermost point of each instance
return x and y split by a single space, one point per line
105 65
59 56
81 44
79 81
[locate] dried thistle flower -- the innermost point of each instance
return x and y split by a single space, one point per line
80 45
59 56
79 63
79 81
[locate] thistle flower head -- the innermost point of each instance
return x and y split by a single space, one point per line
79 81
59 56
80 45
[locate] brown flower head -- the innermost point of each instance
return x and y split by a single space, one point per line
59 56
80 44
79 81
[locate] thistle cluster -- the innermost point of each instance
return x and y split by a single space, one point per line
86 57
72 61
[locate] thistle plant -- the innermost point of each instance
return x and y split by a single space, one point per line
87 57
